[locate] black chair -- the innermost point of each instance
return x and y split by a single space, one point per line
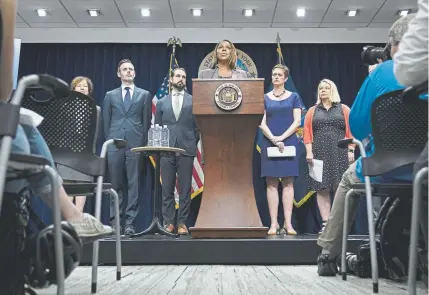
69 128
417 196
18 163
400 132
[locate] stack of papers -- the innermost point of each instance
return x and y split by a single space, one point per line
316 170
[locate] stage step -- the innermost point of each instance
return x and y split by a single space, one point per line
277 250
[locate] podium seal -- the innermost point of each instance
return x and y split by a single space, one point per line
228 96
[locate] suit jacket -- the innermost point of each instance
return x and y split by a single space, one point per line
214 74
129 124
184 132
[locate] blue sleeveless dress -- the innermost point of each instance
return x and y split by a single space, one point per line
279 117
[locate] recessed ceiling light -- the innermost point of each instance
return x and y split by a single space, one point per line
352 12
248 12
300 12
94 12
42 12
145 12
403 12
197 11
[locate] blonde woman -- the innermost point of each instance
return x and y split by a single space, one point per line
325 124
83 85
224 63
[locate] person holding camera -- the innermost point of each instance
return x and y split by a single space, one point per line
380 80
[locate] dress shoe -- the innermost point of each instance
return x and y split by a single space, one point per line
182 230
169 227
129 230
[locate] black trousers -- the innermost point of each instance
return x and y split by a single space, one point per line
170 165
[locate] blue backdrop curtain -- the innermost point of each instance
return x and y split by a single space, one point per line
308 64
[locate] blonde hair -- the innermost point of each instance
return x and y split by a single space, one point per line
79 79
334 96
232 57
283 67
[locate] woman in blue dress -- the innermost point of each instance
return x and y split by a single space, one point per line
281 119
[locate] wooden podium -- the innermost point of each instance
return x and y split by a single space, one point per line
228 127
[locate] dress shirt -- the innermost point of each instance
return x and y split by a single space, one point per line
124 91
177 100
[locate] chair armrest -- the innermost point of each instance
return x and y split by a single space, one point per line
343 143
415 91
29 159
120 143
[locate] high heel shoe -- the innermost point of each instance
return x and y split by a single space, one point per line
289 232
274 231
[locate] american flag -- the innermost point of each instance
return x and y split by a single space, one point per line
197 173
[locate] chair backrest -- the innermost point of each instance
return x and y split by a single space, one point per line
399 130
69 128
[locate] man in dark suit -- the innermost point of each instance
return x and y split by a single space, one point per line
175 111
126 115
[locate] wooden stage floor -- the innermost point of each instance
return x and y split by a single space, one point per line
222 280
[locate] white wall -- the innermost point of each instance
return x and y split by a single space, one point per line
205 35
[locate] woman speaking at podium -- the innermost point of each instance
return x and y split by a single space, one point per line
281 119
224 63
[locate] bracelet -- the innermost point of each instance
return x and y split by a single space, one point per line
351 151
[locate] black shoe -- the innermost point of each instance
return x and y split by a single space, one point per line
129 230
327 265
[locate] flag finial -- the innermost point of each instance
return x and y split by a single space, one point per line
173 42
278 39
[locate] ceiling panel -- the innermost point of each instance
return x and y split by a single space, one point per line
216 14
387 13
212 11
199 25
102 25
130 10
315 10
21 25
264 11
53 25
150 25
56 11
109 13
19 19
247 25
295 25
342 25
367 10
379 25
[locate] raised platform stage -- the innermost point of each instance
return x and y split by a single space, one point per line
156 249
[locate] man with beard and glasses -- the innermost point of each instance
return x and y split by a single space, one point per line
175 112
127 112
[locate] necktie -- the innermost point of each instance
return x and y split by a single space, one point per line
127 98
176 105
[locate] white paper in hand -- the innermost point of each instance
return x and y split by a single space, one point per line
316 171
28 117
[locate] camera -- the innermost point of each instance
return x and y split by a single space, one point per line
370 54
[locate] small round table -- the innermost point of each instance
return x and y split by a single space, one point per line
156 227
